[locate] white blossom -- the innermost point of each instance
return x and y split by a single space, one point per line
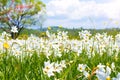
14 29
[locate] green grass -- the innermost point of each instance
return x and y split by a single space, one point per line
30 68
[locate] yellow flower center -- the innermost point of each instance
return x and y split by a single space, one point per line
46 69
88 76
108 78
6 45
80 68
49 28
107 64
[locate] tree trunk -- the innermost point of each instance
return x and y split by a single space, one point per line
14 35
41 25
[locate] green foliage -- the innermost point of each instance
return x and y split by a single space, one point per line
30 68
12 68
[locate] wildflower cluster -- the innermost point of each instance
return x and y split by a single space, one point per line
51 68
58 57
102 72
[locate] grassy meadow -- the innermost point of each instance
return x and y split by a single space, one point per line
62 54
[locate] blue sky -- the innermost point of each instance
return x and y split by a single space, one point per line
83 13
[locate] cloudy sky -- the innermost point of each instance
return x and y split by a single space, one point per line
83 13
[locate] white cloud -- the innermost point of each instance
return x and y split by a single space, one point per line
112 9
77 9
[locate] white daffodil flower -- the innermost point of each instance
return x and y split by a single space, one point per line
81 67
48 69
86 74
14 29
57 68
63 64
117 78
113 66
102 73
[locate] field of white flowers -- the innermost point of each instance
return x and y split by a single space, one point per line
56 57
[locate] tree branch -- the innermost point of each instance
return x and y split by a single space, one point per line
4 29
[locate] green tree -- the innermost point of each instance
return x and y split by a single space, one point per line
17 14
